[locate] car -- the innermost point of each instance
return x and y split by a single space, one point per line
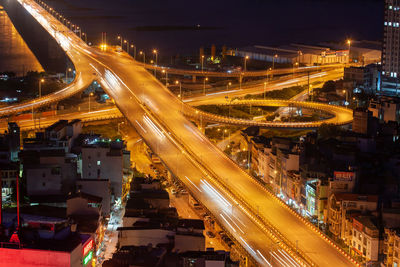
184 192
210 234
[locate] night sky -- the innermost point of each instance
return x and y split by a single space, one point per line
170 25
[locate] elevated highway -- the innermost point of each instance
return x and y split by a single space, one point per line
242 74
262 225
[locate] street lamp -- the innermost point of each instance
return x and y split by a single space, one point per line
91 94
273 60
349 43
134 50
202 63
204 85
245 63
166 77
345 92
180 88
84 34
227 86
265 87
155 53
40 87
120 38
66 74
144 57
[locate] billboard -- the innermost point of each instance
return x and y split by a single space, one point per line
344 176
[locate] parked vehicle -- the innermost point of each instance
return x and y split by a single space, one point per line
210 234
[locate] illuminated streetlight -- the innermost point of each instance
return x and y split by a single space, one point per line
228 85
245 63
40 87
180 88
265 87
134 50
155 53
273 60
202 63
66 74
120 38
144 57
349 44
204 85
91 94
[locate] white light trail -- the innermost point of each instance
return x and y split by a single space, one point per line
193 184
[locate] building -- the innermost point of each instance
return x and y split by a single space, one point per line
342 204
206 259
365 240
364 122
385 109
391 45
363 78
391 248
105 160
294 53
10 144
47 239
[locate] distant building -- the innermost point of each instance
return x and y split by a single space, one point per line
385 109
365 241
364 78
340 205
105 160
364 122
295 53
391 45
391 248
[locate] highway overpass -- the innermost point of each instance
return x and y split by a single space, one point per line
264 226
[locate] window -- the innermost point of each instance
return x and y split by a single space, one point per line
44 184
359 247
98 163
43 175
364 251
89 157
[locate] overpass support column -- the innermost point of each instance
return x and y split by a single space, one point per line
194 78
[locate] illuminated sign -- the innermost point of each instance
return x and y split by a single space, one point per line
87 247
344 176
88 257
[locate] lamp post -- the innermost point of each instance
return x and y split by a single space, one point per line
166 77
155 53
273 61
265 87
228 85
345 92
127 45
245 63
204 85
84 34
120 38
202 63
349 43
66 74
40 87
144 57
294 64
134 50
180 88
91 94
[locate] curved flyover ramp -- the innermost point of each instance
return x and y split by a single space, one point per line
341 116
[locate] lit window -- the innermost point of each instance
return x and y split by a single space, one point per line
98 163
386 23
390 7
390 24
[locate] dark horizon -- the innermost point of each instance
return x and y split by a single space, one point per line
173 27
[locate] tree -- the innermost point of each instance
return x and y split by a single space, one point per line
328 130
